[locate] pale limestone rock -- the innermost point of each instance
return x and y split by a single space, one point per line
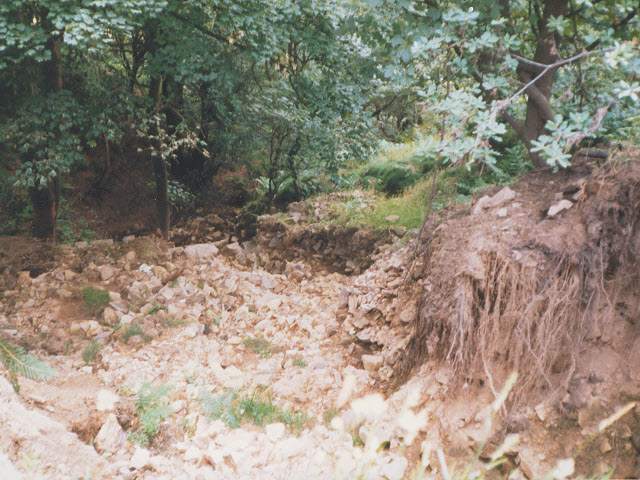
503 196
201 251
140 458
274 431
106 400
76 329
372 363
110 316
193 454
559 207
107 272
394 470
111 437
268 281
69 275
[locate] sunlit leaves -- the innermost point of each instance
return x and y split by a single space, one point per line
629 90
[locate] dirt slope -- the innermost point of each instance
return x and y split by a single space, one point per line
446 318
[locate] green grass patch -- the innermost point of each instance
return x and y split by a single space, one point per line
171 322
259 409
132 330
260 345
90 353
406 171
152 408
155 309
95 300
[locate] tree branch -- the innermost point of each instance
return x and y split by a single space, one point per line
505 103
206 31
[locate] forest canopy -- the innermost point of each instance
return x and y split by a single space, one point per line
287 92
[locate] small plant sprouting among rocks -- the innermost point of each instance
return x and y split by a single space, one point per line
171 321
95 300
259 345
232 408
299 361
132 330
90 353
152 408
155 309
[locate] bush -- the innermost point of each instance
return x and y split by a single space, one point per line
391 179
308 184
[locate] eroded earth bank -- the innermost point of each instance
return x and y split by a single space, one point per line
318 352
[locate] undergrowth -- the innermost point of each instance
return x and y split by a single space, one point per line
258 408
71 227
95 300
402 177
152 408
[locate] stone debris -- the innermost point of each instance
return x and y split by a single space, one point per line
559 207
232 317
111 437
243 317
503 196
106 400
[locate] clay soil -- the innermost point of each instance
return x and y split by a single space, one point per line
554 298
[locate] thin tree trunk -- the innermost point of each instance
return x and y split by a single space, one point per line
45 201
539 109
53 67
162 195
45 198
155 89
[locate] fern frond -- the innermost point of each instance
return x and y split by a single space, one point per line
17 362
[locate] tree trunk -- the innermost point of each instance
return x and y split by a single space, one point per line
538 104
162 195
53 67
45 198
45 201
155 89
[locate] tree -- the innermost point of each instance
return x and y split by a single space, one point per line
34 37
466 60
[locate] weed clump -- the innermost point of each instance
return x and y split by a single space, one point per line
90 353
260 345
132 330
95 300
259 408
298 361
152 408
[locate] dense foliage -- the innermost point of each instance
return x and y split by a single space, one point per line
287 91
